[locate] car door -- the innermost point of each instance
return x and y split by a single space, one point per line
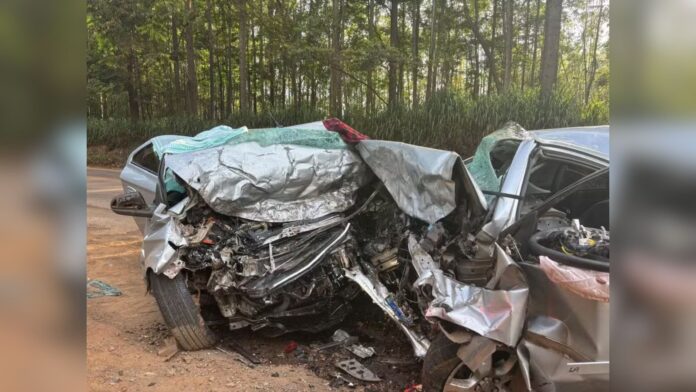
140 174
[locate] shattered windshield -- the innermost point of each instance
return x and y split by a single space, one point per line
493 157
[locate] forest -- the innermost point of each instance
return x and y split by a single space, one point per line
433 72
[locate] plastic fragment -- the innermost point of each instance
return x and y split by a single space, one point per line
292 346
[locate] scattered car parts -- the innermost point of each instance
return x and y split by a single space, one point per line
357 370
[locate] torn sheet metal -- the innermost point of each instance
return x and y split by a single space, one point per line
161 242
421 180
497 314
272 183
421 260
379 295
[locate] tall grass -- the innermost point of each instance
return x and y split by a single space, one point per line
446 121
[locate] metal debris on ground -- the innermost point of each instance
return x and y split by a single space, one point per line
340 338
398 361
245 353
361 351
352 339
357 370
239 357
96 288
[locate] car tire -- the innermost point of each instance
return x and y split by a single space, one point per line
180 312
439 362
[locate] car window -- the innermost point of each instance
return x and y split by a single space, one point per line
147 159
548 176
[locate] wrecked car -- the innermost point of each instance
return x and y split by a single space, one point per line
496 268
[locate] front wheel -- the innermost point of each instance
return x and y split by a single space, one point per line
180 312
443 371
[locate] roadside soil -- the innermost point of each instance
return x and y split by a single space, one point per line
130 349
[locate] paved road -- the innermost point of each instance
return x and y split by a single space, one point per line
125 333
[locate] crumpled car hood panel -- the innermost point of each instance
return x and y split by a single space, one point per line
421 180
274 183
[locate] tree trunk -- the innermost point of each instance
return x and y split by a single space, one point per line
243 70
593 63
295 87
526 44
507 39
477 65
583 38
254 74
228 61
191 79
283 89
335 93
260 72
175 60
549 55
394 48
535 44
211 63
402 63
415 61
370 98
490 57
142 108
446 68
221 90
270 62
133 99
430 83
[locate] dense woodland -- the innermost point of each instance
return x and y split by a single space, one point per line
387 65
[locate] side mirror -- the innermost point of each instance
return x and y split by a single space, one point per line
131 203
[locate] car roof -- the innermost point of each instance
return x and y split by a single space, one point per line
594 140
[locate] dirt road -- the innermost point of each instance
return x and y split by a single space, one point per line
126 333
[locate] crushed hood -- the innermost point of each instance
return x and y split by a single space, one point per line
424 182
306 172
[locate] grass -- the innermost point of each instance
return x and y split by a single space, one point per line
446 121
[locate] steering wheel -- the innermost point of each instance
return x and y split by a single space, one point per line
598 264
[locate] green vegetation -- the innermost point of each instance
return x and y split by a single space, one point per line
440 73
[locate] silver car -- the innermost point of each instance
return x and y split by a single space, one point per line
496 268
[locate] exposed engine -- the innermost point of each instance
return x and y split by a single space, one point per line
270 276
260 272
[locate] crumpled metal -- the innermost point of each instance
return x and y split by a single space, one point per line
272 183
379 294
421 180
497 313
162 239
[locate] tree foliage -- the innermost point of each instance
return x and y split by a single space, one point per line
219 60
